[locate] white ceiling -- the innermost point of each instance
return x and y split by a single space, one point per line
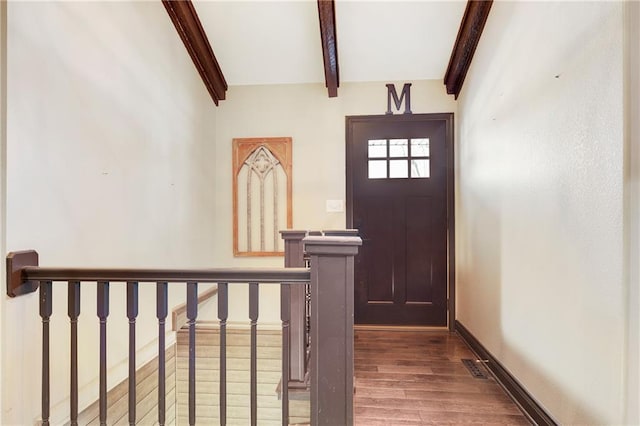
278 42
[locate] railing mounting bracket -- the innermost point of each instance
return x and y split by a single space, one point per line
16 284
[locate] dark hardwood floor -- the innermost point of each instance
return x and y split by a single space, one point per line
417 378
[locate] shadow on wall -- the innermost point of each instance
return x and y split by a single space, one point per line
481 273
583 416
481 265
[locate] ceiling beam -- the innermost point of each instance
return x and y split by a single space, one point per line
475 16
185 19
327 16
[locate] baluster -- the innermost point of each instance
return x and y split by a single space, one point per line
73 300
103 313
253 315
285 316
46 308
192 313
132 313
223 312
161 310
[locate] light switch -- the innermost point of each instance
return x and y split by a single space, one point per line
335 206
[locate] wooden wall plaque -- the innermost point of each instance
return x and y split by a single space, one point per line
262 192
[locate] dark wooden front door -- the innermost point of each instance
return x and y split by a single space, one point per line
399 196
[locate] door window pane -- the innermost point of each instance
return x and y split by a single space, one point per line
398 168
390 159
398 148
419 147
420 168
377 169
377 148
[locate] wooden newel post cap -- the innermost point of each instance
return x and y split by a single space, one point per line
337 246
341 232
290 234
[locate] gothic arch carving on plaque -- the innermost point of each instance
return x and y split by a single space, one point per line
262 190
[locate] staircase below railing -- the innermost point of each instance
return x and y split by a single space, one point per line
330 279
269 362
179 313
146 396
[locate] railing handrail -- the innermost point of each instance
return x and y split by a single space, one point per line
226 275
30 275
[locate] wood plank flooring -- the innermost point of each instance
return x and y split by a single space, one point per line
417 378
401 378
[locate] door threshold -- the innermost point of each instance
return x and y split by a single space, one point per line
376 327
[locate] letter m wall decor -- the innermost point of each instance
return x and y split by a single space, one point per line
262 190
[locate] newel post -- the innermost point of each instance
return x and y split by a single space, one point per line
331 369
294 258
293 248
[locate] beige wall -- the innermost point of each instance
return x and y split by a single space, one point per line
540 272
317 125
632 222
111 158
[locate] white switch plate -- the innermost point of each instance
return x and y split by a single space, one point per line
335 206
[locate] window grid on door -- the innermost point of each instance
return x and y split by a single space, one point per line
399 158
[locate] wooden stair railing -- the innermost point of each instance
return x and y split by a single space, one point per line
332 260
147 374
299 344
